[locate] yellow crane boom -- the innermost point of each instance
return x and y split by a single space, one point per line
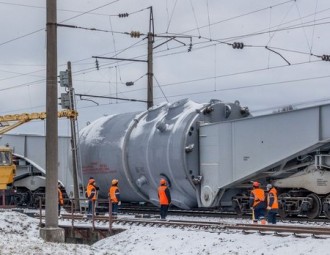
11 121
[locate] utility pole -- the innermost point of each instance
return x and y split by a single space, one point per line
150 74
151 40
74 144
51 232
150 96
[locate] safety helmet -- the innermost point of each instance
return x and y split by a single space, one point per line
256 184
114 182
162 182
269 186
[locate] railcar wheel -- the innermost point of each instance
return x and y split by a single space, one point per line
281 205
237 208
316 208
18 199
326 206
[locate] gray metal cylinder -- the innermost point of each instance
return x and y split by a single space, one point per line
140 148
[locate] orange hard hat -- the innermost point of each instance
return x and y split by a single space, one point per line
162 181
114 181
256 184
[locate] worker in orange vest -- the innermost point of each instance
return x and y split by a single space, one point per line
60 198
272 204
91 193
114 196
257 203
164 196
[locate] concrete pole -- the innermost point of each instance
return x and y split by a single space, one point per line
51 232
74 144
150 90
150 96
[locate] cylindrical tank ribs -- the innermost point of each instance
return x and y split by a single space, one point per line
140 148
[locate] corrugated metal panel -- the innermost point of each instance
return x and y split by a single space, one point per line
236 150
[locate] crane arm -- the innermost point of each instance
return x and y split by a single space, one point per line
11 121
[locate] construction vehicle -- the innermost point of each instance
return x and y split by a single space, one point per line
7 172
7 166
22 182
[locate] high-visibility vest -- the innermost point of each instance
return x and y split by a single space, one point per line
91 188
60 197
112 193
163 199
259 196
273 193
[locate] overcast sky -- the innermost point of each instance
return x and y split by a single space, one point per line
288 71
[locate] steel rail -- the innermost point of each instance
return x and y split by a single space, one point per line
280 230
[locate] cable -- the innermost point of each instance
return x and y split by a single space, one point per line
92 29
232 38
250 71
114 44
250 46
272 36
169 54
301 22
208 17
310 50
241 15
223 76
89 11
22 36
160 88
42 29
238 73
192 7
251 86
169 22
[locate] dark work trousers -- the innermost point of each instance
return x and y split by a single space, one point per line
90 207
163 211
114 208
259 211
271 216
59 209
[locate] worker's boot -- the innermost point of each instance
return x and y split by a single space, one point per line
263 221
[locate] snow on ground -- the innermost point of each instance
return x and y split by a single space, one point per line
19 234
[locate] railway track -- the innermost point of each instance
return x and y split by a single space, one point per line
150 210
211 226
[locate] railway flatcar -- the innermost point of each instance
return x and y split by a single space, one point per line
210 153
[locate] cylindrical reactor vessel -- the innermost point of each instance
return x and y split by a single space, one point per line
140 148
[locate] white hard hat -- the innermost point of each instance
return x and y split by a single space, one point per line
269 186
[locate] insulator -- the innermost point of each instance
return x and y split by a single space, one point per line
135 34
123 15
129 83
238 45
326 57
97 64
190 47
